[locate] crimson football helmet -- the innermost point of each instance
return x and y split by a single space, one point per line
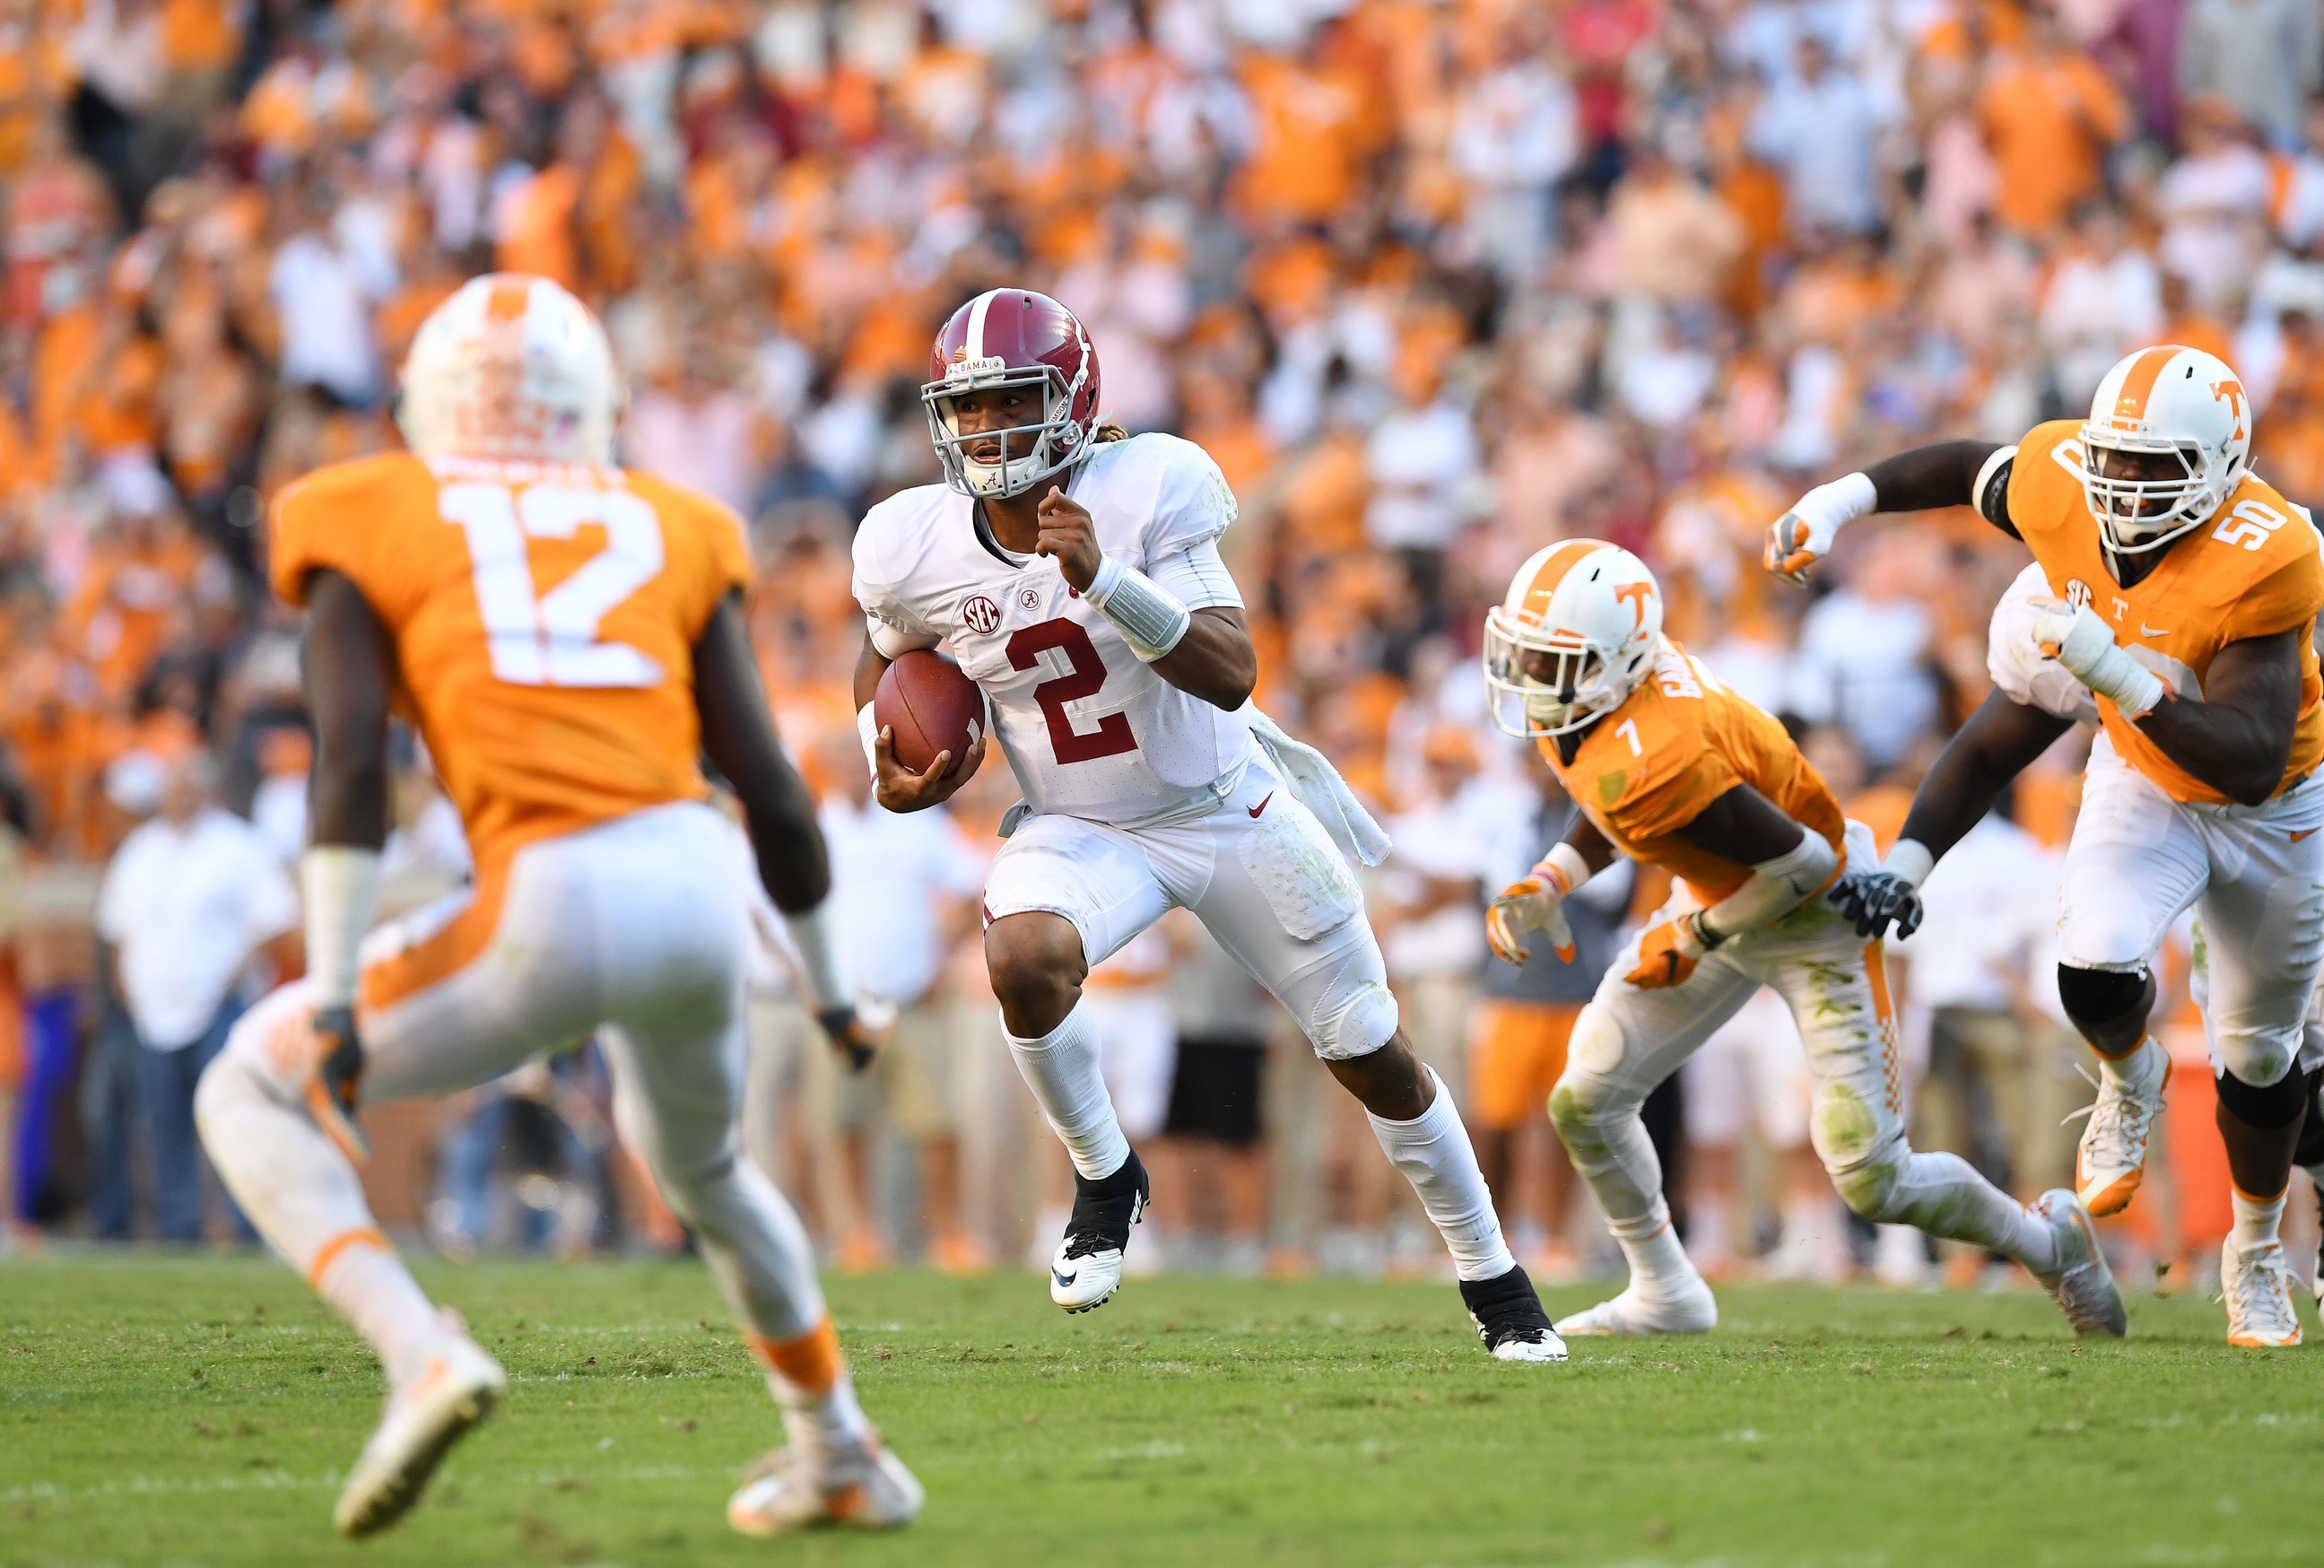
1012 337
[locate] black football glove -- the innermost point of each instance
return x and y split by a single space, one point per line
1876 899
338 1078
848 1034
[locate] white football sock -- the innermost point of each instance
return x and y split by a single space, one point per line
1434 1152
808 1378
372 1290
1944 1195
2258 1221
303 1196
1659 1266
1062 1069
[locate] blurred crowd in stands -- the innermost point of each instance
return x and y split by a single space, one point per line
1435 281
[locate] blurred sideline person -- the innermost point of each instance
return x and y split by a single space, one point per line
1752 1074
903 891
1522 1027
566 725
2182 593
1211 1158
1674 771
192 897
1121 701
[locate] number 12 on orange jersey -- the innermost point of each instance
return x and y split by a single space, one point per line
551 638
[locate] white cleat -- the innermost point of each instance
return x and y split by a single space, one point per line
1691 1309
1087 1268
2081 1283
2257 1288
2111 1159
868 1488
459 1388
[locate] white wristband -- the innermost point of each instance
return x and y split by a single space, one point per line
339 883
866 730
819 971
1146 614
1569 864
1910 860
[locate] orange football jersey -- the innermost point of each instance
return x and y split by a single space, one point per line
2251 570
544 619
1677 743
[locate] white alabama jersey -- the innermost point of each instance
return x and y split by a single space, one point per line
2015 662
1089 730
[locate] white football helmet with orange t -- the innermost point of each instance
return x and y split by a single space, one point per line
512 367
2178 403
1574 638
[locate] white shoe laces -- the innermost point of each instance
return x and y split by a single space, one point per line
2258 1293
2119 1122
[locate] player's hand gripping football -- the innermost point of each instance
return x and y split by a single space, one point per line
1668 953
1536 903
332 1094
1070 534
898 789
1875 901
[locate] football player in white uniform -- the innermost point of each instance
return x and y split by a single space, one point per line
1074 574
2201 787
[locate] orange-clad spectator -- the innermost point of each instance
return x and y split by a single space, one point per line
2288 442
135 585
1308 139
36 73
2183 322
1676 241
2050 116
532 225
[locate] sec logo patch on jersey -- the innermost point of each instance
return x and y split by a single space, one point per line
979 613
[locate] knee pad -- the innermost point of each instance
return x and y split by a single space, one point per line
1355 1013
1584 1093
2264 1107
2101 996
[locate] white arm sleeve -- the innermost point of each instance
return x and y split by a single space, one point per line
1774 887
1197 577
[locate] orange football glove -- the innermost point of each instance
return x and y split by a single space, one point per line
1668 953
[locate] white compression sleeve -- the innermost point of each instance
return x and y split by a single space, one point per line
1149 619
340 886
1775 887
819 971
1569 864
1197 577
866 730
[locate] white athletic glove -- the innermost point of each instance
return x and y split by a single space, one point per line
1802 536
1536 903
2083 642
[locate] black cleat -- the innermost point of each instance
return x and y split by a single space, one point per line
1509 1318
1087 1268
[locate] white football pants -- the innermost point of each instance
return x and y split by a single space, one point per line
635 929
2254 875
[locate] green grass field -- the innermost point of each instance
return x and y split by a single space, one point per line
157 1411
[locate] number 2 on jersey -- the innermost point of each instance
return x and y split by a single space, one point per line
551 638
1088 674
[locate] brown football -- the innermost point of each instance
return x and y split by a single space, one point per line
932 707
